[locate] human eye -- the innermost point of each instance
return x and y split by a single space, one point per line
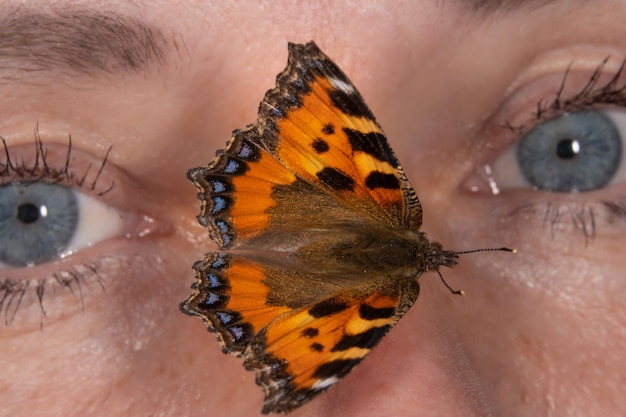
42 219
563 166
573 152
55 207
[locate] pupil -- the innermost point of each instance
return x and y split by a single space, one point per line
567 148
28 213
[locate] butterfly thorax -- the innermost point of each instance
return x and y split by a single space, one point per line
394 253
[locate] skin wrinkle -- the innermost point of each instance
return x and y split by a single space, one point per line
80 41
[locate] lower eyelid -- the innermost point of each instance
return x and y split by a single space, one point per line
563 219
523 215
52 292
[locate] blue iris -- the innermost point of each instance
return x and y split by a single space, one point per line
571 153
37 222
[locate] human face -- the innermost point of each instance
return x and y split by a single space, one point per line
454 85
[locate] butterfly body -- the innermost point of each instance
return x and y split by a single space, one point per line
318 229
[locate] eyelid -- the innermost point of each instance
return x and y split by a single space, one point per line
56 163
558 92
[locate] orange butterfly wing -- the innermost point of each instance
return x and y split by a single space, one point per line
325 133
314 127
297 346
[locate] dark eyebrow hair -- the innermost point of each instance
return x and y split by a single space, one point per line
493 6
79 41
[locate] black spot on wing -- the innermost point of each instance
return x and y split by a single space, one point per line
350 103
364 340
310 332
337 368
320 145
367 312
377 179
328 129
336 179
327 308
372 143
316 347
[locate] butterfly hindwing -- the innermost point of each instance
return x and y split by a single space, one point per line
305 352
297 347
231 297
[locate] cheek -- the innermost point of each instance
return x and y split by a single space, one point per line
539 328
536 343
104 348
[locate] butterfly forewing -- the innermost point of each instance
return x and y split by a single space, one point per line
327 135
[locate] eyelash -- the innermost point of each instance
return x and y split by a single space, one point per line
41 171
12 292
590 95
584 216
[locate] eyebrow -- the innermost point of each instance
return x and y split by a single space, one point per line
88 42
493 6
80 41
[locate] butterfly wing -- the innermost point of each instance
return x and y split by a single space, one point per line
313 128
319 126
298 346
235 190
231 297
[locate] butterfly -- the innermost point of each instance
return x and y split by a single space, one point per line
318 230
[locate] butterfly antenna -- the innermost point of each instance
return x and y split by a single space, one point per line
453 291
486 250
461 292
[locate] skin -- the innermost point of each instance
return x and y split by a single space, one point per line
539 333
